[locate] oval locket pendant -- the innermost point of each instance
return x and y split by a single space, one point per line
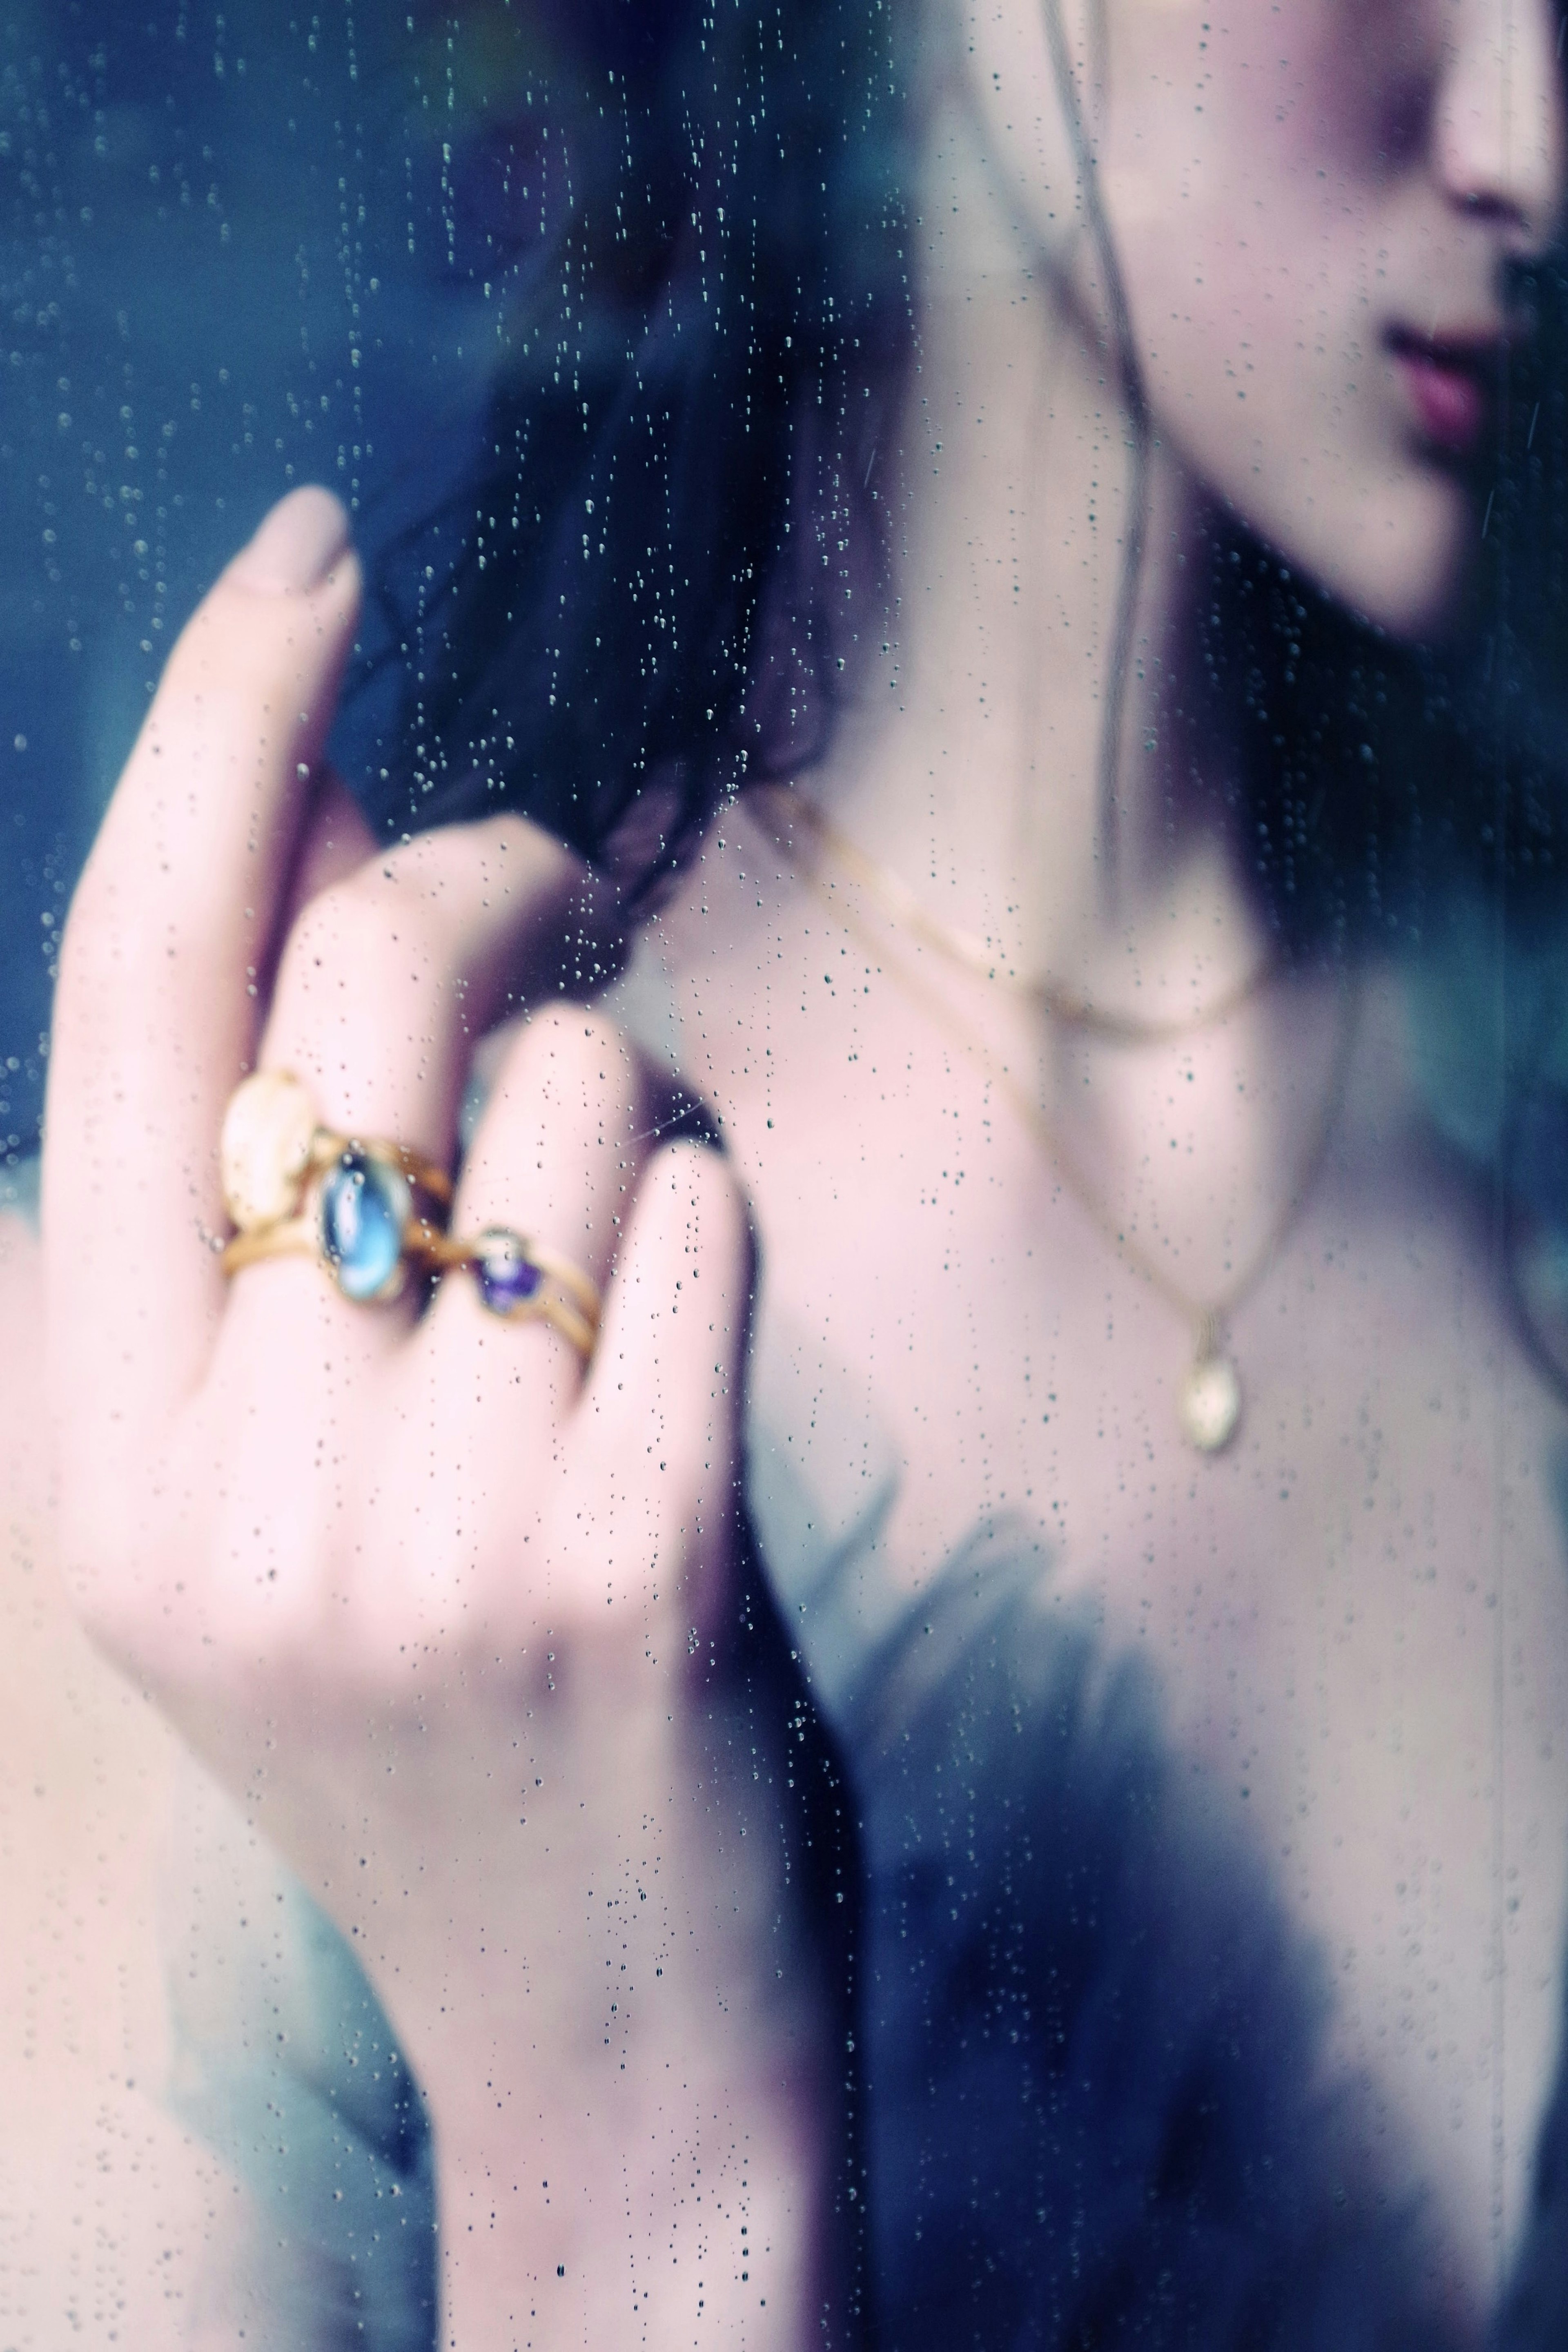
1209 1402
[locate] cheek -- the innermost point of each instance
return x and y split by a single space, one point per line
1255 206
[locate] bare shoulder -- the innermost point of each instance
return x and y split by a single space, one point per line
109 2212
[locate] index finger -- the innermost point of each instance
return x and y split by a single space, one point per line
156 1008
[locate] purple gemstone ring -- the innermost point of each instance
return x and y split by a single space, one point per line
507 1275
523 1282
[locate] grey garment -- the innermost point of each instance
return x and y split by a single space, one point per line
283 2062
821 1477
19 1186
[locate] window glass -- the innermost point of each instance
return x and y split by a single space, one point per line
783 1431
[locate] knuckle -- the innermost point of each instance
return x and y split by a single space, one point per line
578 1033
350 939
93 947
572 1058
124 955
236 695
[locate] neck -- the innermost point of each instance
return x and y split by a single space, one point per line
973 758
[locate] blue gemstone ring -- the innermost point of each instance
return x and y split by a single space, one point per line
366 1229
371 1211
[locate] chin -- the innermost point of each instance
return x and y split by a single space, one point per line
1399 559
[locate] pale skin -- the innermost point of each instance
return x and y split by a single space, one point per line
1325 1604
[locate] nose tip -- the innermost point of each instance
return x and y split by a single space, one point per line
1502 137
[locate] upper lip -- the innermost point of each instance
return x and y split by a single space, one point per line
1481 350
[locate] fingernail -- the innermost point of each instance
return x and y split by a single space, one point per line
297 545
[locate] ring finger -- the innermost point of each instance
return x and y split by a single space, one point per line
554 1163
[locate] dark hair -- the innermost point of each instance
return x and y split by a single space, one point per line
637 600
643 595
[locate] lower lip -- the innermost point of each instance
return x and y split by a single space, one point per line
1450 404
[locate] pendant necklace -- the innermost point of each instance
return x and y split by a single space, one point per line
1209 1399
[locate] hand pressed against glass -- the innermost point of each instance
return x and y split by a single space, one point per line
439 1607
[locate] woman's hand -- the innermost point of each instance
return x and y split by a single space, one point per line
448 1614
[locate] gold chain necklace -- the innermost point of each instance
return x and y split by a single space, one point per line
1064 1006
1209 1399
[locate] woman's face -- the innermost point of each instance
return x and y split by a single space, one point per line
1312 204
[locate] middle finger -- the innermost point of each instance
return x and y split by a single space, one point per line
386 979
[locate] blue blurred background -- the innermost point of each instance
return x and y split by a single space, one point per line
234 258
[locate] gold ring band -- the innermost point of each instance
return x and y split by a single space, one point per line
301 1238
519 1280
450 1255
290 1237
562 1316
